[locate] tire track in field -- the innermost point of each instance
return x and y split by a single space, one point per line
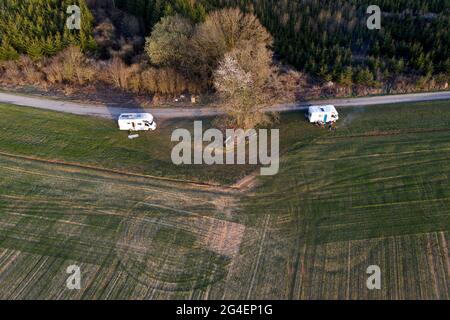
445 259
145 202
400 203
51 220
330 186
347 293
23 285
147 189
139 250
119 172
377 155
188 196
72 205
258 257
430 244
10 258
338 184
386 133
117 182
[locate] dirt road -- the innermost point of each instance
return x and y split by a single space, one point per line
113 112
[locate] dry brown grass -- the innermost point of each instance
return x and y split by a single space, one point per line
11 72
71 71
119 73
69 67
30 71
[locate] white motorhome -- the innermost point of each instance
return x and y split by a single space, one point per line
136 122
322 114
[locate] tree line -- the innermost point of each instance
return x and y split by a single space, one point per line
327 39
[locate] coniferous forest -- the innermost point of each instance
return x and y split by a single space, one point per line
38 28
330 39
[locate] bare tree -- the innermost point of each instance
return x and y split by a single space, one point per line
222 32
119 73
238 82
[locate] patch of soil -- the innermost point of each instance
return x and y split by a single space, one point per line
247 183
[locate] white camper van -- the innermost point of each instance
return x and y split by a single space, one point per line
322 114
136 122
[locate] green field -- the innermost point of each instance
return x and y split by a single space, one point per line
375 192
98 142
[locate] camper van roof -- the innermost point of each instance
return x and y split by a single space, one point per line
328 108
136 116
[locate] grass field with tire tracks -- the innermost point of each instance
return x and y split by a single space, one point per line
375 192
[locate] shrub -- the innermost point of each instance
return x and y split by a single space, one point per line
119 73
30 71
70 66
